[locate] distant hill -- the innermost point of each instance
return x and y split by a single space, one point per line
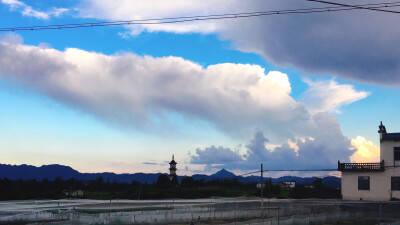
224 174
50 172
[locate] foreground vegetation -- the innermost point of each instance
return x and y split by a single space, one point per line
164 188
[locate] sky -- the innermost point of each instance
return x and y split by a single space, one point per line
292 91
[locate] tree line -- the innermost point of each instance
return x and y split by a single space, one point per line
163 188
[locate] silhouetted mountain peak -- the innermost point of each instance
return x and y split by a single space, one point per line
223 174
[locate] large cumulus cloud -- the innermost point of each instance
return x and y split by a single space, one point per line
359 44
142 92
320 151
366 151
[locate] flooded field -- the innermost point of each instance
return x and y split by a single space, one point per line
198 211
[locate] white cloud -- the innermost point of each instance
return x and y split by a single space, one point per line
27 10
321 152
356 44
11 38
154 9
143 91
140 91
215 155
329 96
366 151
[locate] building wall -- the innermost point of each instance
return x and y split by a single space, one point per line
380 182
387 153
379 186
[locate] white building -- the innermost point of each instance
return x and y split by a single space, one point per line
378 181
287 184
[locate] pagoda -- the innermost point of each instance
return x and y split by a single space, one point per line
172 168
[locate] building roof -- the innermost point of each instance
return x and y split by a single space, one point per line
173 161
391 137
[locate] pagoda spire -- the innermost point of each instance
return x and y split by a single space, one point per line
172 167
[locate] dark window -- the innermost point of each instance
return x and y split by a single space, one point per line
396 183
363 183
397 153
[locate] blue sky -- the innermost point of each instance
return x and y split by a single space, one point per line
285 91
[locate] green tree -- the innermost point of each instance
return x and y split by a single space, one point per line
318 183
187 182
163 181
269 186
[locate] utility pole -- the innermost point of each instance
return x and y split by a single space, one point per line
262 189
262 192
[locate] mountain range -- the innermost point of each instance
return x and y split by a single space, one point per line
50 172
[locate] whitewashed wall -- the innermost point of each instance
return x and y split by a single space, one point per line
380 182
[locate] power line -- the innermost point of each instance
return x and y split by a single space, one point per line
301 170
289 170
305 170
258 171
355 6
171 20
